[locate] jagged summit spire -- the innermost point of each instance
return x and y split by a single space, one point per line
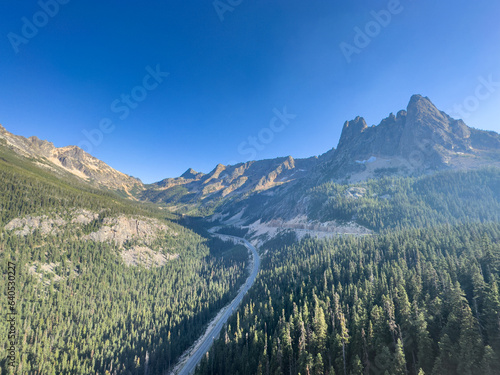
190 173
422 113
351 129
420 104
416 98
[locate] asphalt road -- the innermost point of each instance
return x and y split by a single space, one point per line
213 331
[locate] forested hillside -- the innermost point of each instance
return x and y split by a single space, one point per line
404 202
81 308
419 301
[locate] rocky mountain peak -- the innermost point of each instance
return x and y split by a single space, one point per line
423 112
418 99
190 174
428 131
420 138
215 173
76 152
352 129
401 114
290 162
355 126
390 120
219 168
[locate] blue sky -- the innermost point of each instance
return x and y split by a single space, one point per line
255 79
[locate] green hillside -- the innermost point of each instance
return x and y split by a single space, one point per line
80 308
401 202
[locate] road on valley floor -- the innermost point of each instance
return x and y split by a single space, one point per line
188 362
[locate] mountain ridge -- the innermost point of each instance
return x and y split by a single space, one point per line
417 140
72 160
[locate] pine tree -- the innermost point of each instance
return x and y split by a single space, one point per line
319 327
383 361
424 344
492 315
318 365
446 362
470 344
357 367
399 359
490 363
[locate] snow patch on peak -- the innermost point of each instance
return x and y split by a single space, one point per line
370 160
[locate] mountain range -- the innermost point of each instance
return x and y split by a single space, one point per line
417 141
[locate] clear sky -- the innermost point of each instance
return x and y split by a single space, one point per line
285 73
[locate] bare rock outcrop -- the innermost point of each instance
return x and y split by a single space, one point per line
142 231
122 229
28 224
144 256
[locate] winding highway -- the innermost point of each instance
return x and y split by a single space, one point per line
190 359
